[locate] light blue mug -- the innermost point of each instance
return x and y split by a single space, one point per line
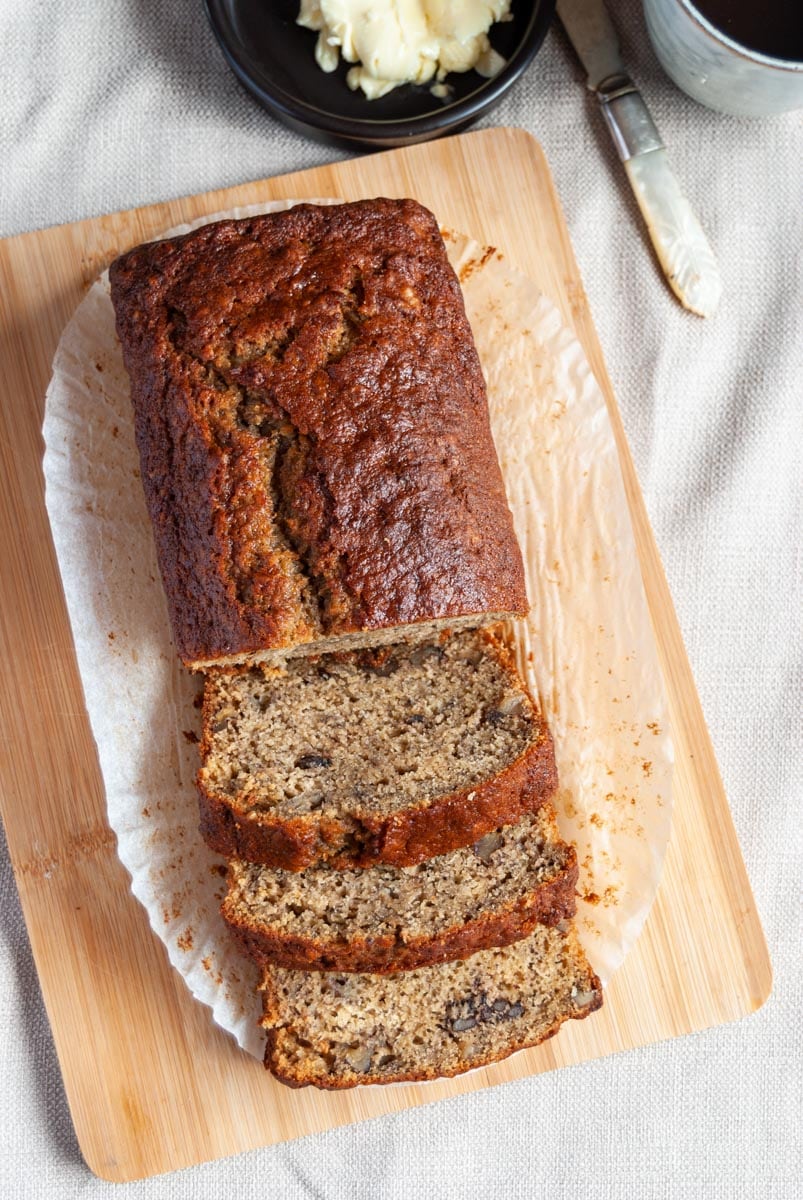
716 70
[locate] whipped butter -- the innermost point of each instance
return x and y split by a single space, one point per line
392 42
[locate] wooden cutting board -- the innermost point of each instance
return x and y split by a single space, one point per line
152 1084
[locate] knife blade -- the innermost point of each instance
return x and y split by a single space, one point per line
683 250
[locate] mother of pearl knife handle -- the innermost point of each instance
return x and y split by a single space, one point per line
683 249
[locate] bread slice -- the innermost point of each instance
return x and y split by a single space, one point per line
337 1030
398 918
392 756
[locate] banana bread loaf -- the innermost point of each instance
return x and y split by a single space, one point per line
389 756
313 431
337 1030
398 918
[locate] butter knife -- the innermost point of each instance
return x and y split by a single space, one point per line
682 248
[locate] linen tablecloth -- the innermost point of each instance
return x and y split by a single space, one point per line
112 104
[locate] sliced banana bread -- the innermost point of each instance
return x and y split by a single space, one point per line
338 1030
398 918
390 756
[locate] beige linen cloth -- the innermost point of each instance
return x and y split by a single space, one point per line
122 102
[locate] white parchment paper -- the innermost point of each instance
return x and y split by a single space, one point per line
587 648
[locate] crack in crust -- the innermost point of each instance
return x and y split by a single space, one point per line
250 426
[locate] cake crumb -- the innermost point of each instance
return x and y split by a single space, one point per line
185 940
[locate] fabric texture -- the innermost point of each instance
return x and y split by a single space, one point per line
115 104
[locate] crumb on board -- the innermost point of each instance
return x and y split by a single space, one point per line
185 940
607 898
476 264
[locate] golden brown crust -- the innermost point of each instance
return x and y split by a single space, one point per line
400 839
548 904
313 429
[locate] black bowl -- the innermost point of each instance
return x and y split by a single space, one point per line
274 59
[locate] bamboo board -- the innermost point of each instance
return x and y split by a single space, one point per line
152 1084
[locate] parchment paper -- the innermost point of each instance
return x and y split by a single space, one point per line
587 647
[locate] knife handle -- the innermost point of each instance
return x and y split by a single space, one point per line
683 249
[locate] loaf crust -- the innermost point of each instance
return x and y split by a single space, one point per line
313 430
548 904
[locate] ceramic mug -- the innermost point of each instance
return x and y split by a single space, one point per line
714 69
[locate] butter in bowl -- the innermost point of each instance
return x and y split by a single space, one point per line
331 71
